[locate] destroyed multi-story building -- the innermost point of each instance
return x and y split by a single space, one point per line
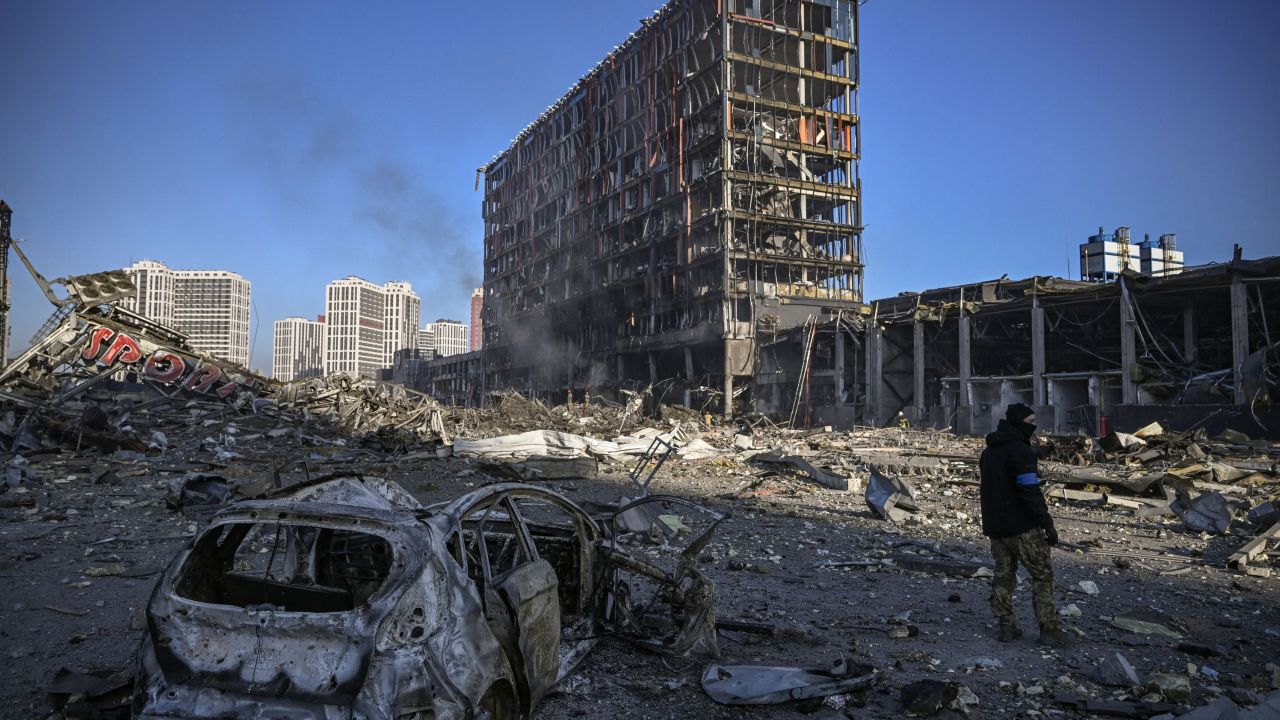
696 191
1187 349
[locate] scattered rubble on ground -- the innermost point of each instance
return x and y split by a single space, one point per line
117 445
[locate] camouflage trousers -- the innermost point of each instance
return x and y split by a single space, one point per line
1032 550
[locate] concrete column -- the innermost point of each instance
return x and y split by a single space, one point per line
1128 347
728 384
1037 353
688 376
653 368
965 361
1239 336
1189 333
871 415
839 365
917 386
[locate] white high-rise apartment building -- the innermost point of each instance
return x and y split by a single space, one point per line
154 298
210 306
355 327
450 337
299 349
403 313
427 342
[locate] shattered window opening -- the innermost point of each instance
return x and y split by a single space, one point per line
292 568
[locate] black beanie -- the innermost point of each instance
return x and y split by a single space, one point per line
1018 412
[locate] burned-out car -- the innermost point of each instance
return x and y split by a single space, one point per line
346 598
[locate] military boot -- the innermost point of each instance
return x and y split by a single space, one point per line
1009 632
1055 638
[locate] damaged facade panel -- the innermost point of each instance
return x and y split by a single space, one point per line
697 189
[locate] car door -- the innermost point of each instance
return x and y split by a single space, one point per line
521 596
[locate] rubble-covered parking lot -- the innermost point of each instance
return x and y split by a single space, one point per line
806 574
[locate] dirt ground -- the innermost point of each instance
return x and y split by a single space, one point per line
78 559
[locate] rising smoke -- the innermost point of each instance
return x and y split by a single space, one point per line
302 141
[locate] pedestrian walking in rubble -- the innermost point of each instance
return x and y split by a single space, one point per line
1016 518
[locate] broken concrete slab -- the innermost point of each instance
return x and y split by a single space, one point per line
1172 686
1116 671
1148 622
1256 548
1220 709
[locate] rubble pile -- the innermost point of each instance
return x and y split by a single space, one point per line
852 574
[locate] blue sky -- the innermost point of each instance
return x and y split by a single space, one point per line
297 142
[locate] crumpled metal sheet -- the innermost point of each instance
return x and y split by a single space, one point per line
770 685
891 498
1208 512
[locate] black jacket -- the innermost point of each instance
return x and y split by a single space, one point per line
1011 506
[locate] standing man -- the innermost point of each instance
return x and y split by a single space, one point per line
1015 517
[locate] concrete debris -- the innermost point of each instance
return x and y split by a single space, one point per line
1209 512
1172 686
1116 671
1264 514
1220 709
927 698
1115 708
1148 622
1247 557
770 685
80 695
115 460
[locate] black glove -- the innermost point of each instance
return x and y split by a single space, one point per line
1051 536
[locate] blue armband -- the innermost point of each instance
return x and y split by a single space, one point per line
1028 479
